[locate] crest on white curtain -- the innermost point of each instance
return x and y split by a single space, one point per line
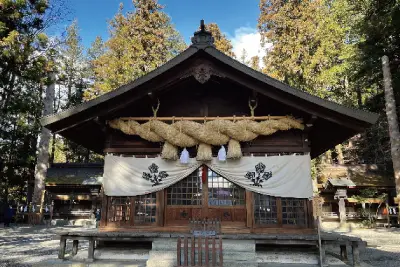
154 176
259 176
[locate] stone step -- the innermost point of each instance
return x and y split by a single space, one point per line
96 263
172 263
295 257
121 254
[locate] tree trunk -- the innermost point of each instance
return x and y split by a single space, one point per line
53 148
393 122
43 148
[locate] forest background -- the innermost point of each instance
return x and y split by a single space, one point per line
328 48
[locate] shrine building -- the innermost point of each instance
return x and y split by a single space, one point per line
206 137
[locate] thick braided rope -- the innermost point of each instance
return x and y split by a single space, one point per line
190 133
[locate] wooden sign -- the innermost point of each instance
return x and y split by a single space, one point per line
317 206
204 233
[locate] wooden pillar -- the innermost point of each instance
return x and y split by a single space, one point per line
204 180
104 209
356 254
249 209
75 245
160 204
63 244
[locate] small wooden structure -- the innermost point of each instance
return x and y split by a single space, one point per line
190 251
74 189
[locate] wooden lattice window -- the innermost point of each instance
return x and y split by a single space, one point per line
145 209
222 192
294 211
187 191
119 209
265 210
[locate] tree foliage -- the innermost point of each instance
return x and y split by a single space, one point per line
222 43
140 41
25 58
310 45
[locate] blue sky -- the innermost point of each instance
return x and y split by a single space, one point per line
236 18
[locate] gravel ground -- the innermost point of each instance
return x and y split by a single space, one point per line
38 246
31 246
383 245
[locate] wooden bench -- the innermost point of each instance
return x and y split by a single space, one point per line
75 245
272 239
191 251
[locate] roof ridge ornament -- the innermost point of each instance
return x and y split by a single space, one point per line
202 38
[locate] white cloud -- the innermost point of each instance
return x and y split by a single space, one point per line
249 39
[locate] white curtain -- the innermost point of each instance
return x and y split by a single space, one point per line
281 176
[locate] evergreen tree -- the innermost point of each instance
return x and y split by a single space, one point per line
23 67
93 53
140 41
255 63
243 57
222 43
310 45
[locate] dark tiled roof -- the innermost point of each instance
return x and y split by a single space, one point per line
368 175
338 182
74 174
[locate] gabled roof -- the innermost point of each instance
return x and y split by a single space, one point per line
75 174
341 182
203 48
364 175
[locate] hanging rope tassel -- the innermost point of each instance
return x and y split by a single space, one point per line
169 152
222 154
204 152
184 156
234 150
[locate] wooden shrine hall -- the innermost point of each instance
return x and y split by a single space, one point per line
204 136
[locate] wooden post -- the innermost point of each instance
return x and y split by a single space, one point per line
75 245
356 254
104 209
63 244
192 255
343 252
91 250
199 251
249 209
178 251
185 251
321 249
160 208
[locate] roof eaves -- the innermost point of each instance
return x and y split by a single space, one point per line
47 120
355 113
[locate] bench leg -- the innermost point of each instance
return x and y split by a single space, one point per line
91 250
61 252
75 244
356 254
343 252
